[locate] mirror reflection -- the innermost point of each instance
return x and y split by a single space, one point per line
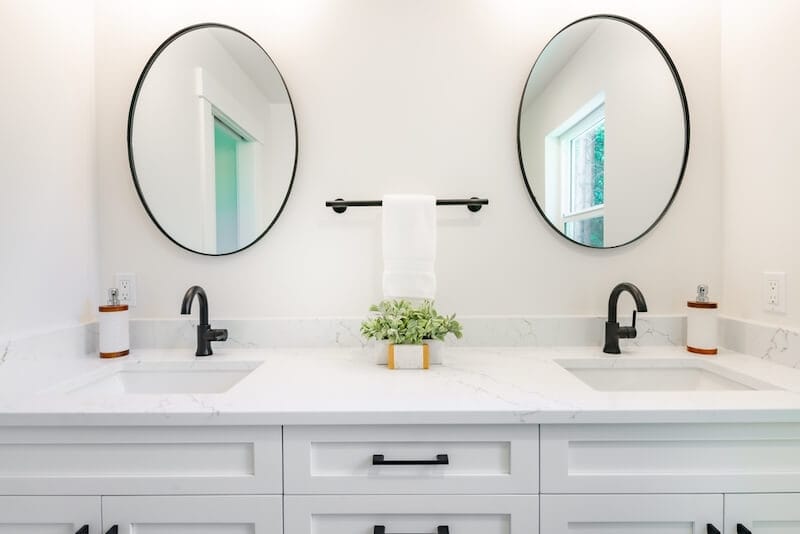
212 139
603 132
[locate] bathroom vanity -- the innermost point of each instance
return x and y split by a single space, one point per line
496 441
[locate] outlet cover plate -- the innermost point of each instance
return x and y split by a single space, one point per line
126 284
774 292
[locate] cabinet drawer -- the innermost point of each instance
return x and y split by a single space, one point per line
206 514
635 514
411 459
49 515
139 460
670 458
760 513
361 514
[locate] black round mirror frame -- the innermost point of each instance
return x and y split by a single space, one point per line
132 110
684 105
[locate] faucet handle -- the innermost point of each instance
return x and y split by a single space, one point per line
628 332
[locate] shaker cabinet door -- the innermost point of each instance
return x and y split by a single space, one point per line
762 513
417 514
49 515
207 514
634 514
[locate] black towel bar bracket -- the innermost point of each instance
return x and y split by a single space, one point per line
473 204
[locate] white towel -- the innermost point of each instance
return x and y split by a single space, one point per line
409 246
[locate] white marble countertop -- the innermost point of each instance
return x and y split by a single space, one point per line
345 386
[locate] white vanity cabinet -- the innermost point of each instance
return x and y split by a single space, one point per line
448 479
206 514
402 479
762 513
670 478
143 480
409 459
670 458
639 514
396 514
141 460
49 515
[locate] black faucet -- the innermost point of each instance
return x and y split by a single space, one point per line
613 330
205 334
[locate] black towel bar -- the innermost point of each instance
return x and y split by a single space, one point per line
473 204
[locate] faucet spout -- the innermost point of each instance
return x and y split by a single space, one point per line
613 299
188 298
613 330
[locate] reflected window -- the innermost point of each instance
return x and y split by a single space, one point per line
582 176
226 174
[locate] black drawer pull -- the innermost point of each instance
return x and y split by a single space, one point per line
381 529
113 530
741 529
441 459
711 529
83 530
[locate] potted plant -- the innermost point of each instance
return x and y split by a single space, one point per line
399 324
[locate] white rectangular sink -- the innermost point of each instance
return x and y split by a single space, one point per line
619 374
165 378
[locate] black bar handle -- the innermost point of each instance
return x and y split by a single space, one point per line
711 529
381 529
441 459
741 529
113 530
473 204
83 530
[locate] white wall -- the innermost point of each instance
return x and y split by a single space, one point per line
48 259
644 126
761 133
408 97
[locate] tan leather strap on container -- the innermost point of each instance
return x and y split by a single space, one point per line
113 308
115 354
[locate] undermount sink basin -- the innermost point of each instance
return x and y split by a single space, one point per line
616 374
163 378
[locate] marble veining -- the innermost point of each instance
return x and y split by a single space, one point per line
78 339
479 331
771 343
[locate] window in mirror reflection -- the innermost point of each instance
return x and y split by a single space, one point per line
226 143
579 173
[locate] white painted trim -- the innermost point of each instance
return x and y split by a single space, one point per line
228 106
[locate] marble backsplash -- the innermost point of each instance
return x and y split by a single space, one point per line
77 339
780 345
344 332
776 344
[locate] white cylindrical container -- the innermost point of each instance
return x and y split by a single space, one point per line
114 332
702 326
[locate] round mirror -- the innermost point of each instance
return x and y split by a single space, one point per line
603 131
212 139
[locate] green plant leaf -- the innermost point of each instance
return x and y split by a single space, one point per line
400 322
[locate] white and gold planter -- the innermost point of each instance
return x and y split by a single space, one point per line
408 356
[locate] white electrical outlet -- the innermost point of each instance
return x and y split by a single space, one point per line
775 292
126 284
